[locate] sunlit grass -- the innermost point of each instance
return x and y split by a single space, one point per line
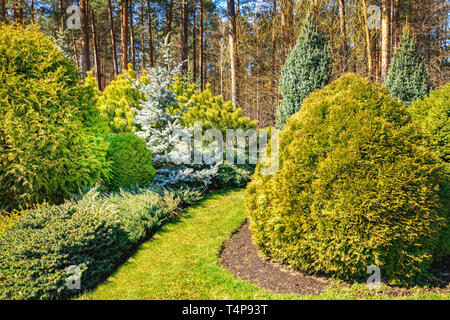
181 261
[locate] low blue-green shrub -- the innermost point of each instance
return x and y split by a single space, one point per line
94 233
232 176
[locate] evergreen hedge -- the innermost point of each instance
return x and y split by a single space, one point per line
357 186
433 114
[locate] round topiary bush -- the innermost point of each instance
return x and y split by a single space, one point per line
131 161
356 186
48 145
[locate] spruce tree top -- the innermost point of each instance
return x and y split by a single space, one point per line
407 75
307 68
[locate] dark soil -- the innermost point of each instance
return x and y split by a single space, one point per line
241 257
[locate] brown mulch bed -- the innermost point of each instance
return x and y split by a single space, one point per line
241 257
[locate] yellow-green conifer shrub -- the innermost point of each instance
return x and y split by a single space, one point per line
94 119
118 100
433 114
7 220
356 186
131 161
211 110
48 141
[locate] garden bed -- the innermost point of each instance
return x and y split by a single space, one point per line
241 257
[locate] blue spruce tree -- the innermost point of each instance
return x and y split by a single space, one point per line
307 68
407 75
163 132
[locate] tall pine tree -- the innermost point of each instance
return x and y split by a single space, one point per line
407 75
307 68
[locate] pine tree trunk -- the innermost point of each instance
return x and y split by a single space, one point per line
201 67
231 39
368 41
124 36
391 25
31 10
112 32
18 12
274 49
385 36
75 50
168 26
132 43
396 23
2 10
194 45
205 60
183 36
85 59
142 22
98 73
103 73
287 17
143 60
342 28
61 14
150 37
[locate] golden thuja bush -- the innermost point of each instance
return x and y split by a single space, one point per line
51 141
357 186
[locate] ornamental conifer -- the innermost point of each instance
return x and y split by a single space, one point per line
407 75
307 68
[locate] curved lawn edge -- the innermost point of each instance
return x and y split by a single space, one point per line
181 261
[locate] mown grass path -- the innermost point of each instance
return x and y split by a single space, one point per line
181 261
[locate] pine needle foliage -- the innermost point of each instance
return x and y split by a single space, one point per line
212 111
118 100
433 114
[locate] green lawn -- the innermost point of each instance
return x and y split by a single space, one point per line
181 261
